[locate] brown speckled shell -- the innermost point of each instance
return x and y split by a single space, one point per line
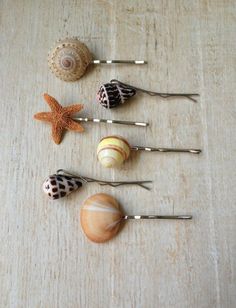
100 217
69 59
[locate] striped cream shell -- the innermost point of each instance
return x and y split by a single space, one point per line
100 217
112 151
69 59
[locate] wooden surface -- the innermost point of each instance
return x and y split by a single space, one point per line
45 260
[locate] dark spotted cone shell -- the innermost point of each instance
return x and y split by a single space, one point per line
58 186
111 95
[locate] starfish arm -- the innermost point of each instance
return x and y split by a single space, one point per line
43 116
52 102
73 125
69 110
57 131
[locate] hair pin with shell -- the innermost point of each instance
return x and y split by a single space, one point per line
69 59
61 118
112 151
62 183
116 93
101 217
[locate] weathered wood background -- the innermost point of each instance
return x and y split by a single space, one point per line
45 260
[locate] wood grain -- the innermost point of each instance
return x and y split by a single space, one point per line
45 260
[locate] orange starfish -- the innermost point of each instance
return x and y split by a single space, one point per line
60 118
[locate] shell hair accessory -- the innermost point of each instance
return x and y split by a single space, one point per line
61 118
69 59
101 217
112 151
116 93
63 183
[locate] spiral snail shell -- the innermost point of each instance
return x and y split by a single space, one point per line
100 217
112 151
111 95
69 59
58 186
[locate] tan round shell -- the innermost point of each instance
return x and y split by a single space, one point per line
69 59
100 217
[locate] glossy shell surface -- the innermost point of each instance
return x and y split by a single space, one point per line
112 151
69 59
111 95
100 217
58 186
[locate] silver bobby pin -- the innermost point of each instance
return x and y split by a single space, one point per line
101 217
163 95
63 183
104 183
150 149
111 121
157 217
118 62
69 59
108 146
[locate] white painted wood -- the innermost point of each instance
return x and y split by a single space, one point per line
45 261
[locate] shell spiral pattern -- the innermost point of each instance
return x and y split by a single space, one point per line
69 59
111 95
58 186
100 217
112 151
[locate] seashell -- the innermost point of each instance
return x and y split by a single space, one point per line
100 217
112 151
111 95
69 59
58 186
